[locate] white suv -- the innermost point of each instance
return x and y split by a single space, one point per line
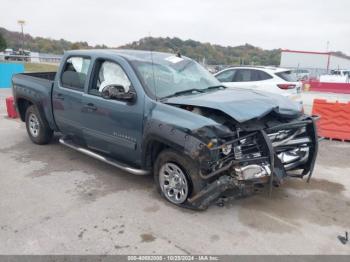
270 79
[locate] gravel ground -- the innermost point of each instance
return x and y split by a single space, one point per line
57 201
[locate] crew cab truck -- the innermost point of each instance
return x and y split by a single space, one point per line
164 114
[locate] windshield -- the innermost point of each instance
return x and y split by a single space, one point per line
173 74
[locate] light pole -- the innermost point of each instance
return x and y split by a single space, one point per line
22 23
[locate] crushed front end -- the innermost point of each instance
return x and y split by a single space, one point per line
256 155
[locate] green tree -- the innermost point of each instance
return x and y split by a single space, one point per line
3 43
76 46
213 54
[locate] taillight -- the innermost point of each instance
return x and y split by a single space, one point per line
286 86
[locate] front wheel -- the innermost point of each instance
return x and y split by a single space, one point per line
177 177
37 128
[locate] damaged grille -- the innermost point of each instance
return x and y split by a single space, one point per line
274 151
292 146
249 156
247 148
289 137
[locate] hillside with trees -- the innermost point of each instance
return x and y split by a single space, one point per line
203 52
3 43
209 53
39 44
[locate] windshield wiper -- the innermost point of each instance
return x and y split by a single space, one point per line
184 92
215 87
194 90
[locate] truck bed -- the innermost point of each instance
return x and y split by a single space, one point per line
43 79
45 75
36 88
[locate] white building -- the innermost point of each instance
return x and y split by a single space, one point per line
316 62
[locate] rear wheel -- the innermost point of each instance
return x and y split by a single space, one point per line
37 128
176 177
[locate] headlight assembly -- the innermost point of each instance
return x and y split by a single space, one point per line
226 149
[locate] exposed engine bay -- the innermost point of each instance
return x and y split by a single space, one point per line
258 153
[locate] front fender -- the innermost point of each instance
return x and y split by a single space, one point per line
182 130
179 139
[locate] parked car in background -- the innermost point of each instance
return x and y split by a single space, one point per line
7 53
341 72
336 76
269 79
20 55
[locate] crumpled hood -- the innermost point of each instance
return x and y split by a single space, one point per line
241 104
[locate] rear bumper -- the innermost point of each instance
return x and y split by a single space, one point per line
296 98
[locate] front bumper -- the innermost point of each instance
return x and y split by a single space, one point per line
294 156
307 141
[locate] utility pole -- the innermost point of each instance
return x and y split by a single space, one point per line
22 23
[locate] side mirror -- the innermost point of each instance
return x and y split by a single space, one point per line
117 92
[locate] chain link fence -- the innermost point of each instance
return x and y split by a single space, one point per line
32 58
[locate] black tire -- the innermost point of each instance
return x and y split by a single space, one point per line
44 132
189 168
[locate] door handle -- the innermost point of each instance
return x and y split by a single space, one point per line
59 96
91 107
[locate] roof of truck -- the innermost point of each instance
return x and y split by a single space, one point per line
133 55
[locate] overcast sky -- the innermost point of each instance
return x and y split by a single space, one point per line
291 24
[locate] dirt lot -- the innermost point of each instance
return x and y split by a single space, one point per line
57 201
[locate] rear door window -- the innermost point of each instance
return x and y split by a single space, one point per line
75 72
288 76
243 75
249 75
263 75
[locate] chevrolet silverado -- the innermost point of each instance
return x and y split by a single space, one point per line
164 114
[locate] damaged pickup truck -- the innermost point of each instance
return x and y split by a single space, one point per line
163 114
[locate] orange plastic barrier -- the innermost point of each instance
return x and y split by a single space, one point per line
335 119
